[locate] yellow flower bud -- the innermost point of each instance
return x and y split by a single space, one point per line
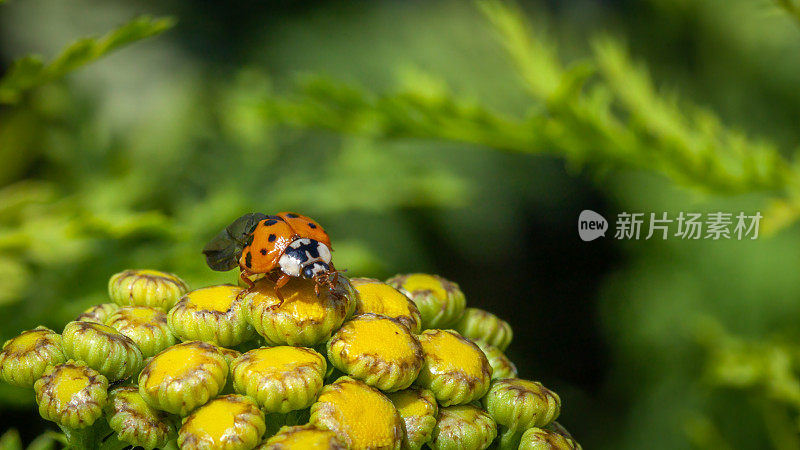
419 410
377 350
136 422
440 302
25 357
214 314
303 437
146 288
377 297
455 369
230 422
359 415
71 394
145 326
103 348
280 379
183 377
302 318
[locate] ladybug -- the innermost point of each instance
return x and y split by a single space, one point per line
283 245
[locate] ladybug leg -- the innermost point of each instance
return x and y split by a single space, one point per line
244 276
279 283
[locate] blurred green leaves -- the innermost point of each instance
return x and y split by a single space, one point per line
31 71
603 110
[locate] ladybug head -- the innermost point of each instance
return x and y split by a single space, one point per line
305 258
223 252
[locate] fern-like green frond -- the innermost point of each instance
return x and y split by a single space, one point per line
604 111
31 71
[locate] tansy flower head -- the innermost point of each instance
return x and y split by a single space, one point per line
146 288
25 358
378 350
103 348
463 427
230 422
98 313
303 436
440 302
302 318
359 415
213 314
375 296
419 410
541 439
479 324
455 369
136 422
183 377
145 326
71 394
502 367
280 379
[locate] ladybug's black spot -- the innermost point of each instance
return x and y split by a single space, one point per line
312 225
292 215
270 222
248 260
263 251
271 238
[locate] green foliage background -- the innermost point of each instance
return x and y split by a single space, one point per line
365 115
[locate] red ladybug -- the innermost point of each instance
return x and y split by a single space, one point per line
286 245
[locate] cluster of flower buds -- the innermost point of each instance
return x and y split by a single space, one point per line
364 364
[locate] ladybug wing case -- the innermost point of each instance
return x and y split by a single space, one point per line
306 227
223 251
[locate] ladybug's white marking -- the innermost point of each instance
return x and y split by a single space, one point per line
305 257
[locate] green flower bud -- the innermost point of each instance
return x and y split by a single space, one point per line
303 436
359 415
441 302
25 357
136 422
519 405
103 348
419 410
230 422
71 394
540 439
214 314
479 324
375 296
98 313
463 427
146 288
502 367
183 377
455 369
280 379
303 318
145 326
377 350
